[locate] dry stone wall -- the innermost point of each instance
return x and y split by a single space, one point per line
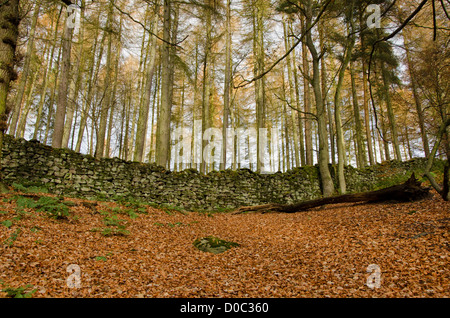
66 172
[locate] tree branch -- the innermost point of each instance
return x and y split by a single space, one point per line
307 76
314 116
300 39
445 10
147 29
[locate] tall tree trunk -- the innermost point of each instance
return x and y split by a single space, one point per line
142 124
325 176
286 153
387 151
360 153
9 20
286 148
92 79
47 73
206 86
195 164
390 111
297 100
323 70
75 84
64 81
417 101
292 98
20 131
51 101
307 101
24 77
227 87
106 104
128 107
155 108
350 43
107 153
260 83
163 135
370 147
337 114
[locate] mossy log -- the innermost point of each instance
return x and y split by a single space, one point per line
411 190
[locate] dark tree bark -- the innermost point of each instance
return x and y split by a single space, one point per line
9 31
411 190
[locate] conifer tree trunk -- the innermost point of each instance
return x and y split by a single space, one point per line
64 81
92 76
227 86
75 84
323 70
52 97
337 101
327 182
307 101
297 99
106 104
207 78
360 152
292 98
260 95
20 131
142 123
163 130
390 111
47 72
24 76
417 101
370 147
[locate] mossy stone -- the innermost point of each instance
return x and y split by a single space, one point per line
213 244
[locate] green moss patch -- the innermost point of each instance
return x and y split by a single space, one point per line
213 244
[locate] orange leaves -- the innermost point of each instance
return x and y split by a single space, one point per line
319 253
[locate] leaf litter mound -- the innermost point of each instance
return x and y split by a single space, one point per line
148 252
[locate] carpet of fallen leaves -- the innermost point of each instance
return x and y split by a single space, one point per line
324 252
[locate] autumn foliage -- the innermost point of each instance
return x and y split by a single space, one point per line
323 252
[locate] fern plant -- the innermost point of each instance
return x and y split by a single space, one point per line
115 226
53 207
20 292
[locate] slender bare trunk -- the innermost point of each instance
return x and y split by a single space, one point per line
390 111
142 124
360 152
417 101
47 72
292 97
64 81
307 102
227 87
327 182
163 135
370 147
106 104
25 72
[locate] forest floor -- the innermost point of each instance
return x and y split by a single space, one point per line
123 252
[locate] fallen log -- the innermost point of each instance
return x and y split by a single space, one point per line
411 190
